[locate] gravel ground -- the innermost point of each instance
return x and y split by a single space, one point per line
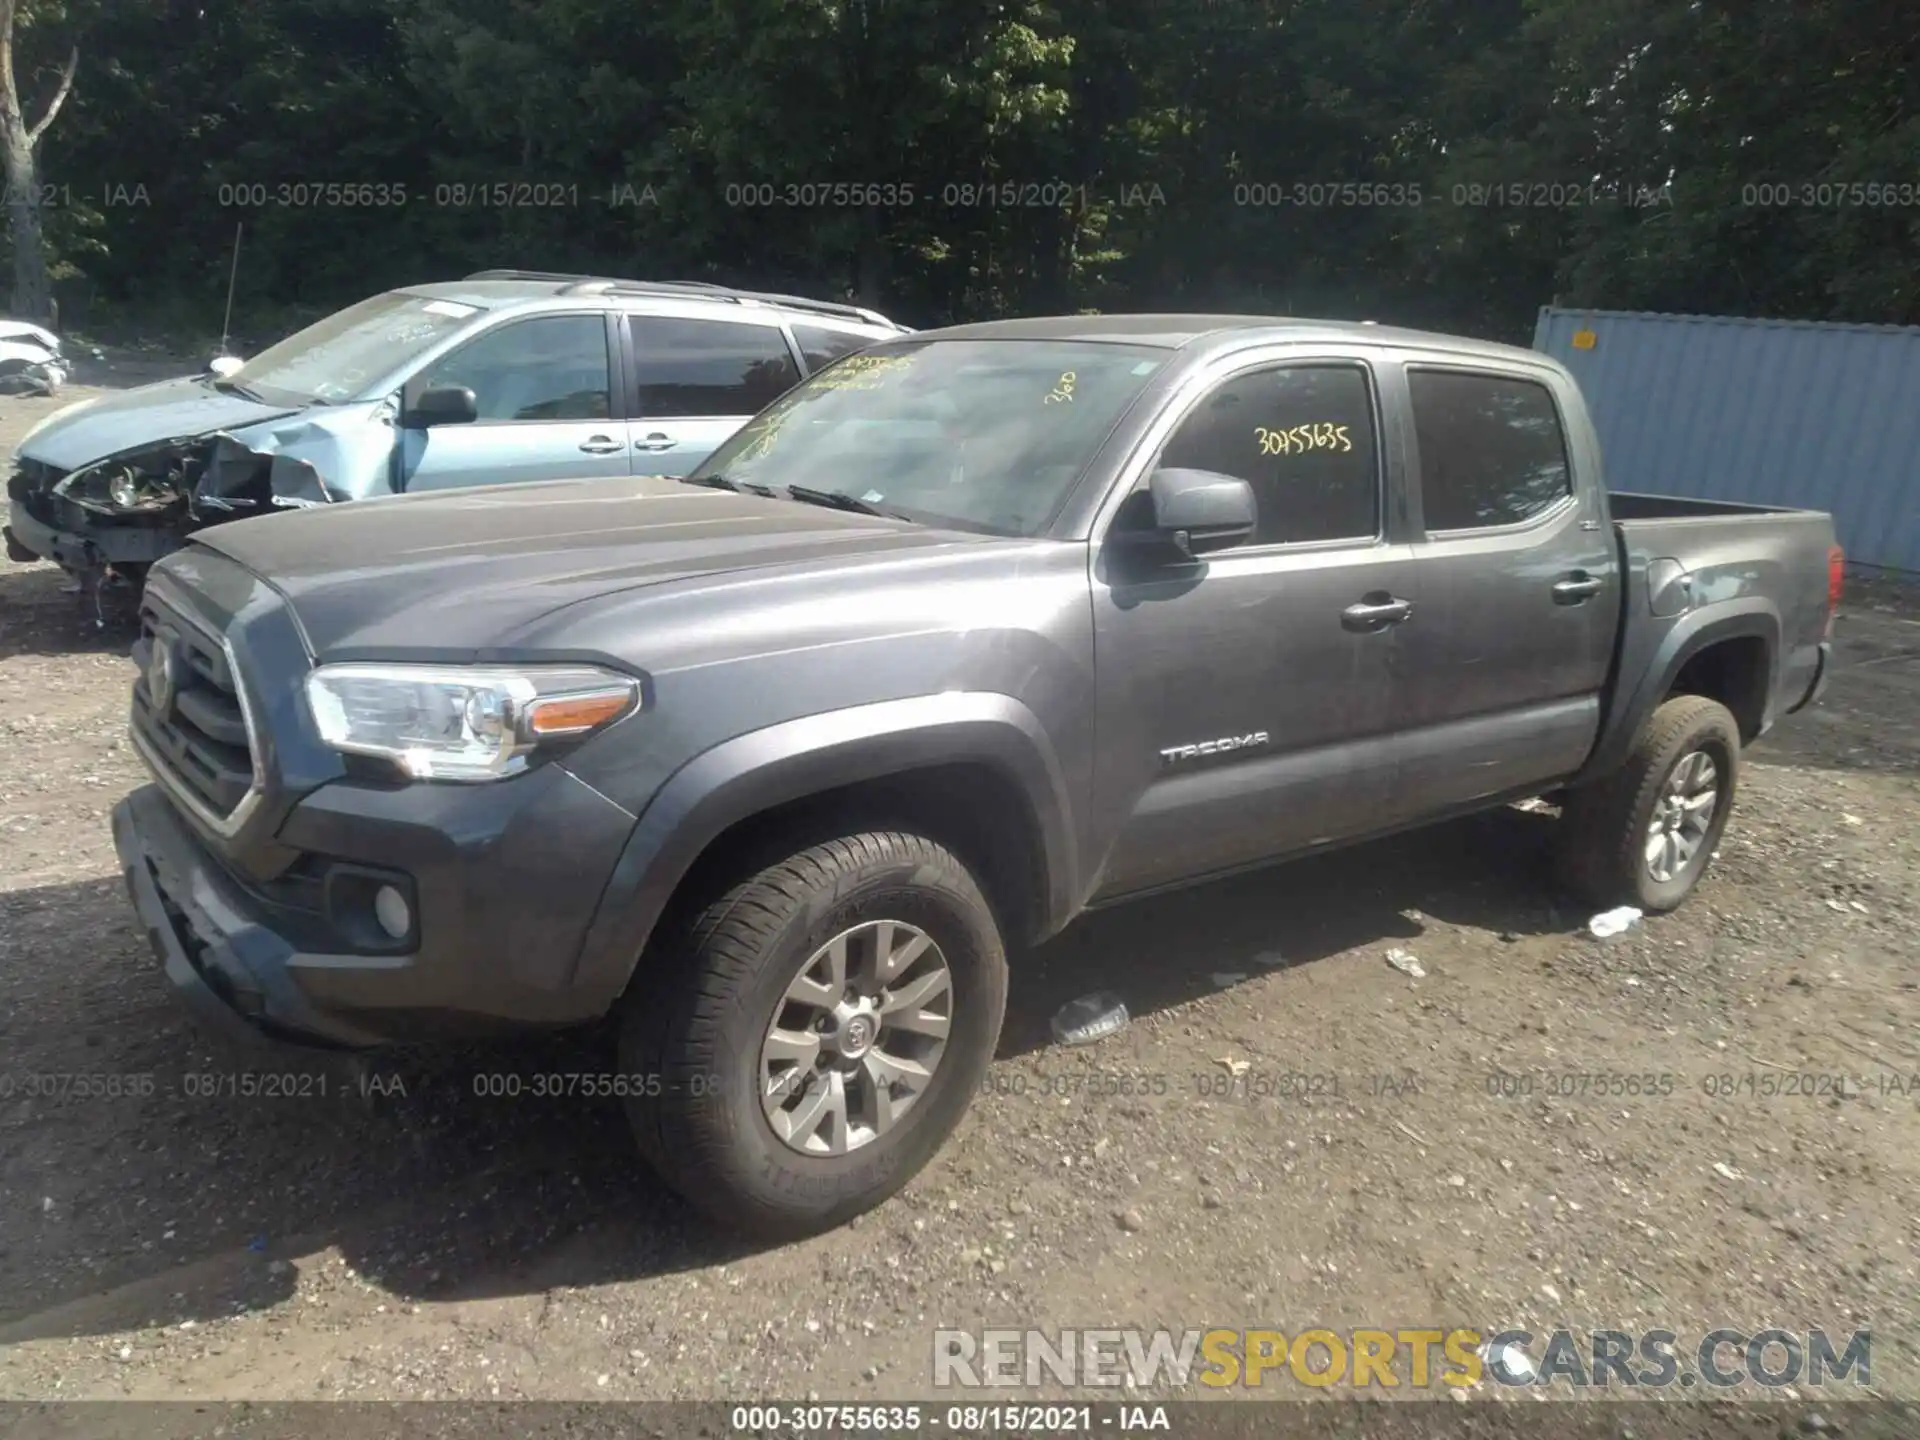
407 1238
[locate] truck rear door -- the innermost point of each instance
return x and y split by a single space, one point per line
1516 585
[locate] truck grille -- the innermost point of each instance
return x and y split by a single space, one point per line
189 717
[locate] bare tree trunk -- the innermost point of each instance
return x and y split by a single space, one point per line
32 292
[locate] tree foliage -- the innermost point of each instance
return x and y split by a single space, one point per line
1453 163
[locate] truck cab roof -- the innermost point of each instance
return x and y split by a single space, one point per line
1176 332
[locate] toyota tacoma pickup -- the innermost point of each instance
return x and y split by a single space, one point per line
774 764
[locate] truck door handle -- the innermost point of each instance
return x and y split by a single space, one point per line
1375 612
1576 588
655 441
601 445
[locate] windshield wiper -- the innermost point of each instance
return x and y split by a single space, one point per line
232 387
724 482
835 500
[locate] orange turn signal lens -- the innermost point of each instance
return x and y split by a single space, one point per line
573 714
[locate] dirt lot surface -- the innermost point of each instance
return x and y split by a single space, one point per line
1464 1148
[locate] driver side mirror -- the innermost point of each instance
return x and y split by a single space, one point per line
1198 511
441 405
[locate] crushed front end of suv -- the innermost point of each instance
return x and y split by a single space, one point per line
505 376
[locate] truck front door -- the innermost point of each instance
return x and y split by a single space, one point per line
1245 700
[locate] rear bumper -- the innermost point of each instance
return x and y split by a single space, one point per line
105 545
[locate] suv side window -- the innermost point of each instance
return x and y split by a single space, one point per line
1492 451
549 367
1303 437
707 367
820 347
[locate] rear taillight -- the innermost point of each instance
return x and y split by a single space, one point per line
1836 582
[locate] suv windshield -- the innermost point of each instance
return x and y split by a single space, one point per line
336 358
979 434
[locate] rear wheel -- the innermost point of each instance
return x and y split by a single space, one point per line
829 1021
1645 835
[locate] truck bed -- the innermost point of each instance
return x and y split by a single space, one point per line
1630 505
1759 572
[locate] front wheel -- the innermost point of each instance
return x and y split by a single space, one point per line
1646 834
828 1020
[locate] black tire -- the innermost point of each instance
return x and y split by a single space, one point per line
722 977
1604 826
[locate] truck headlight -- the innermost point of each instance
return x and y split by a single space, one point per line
458 722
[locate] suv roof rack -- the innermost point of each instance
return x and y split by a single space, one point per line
572 284
569 282
695 289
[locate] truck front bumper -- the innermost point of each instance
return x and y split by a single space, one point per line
497 931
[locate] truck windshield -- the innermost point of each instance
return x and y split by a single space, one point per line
983 435
335 359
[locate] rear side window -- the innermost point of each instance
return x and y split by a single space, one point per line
1302 436
820 348
1491 449
708 367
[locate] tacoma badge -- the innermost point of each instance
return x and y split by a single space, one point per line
1175 754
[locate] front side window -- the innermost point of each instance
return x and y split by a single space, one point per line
986 435
551 367
1302 436
707 367
1491 449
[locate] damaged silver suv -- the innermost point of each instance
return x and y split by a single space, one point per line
506 375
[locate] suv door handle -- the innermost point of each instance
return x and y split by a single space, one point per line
601 445
655 441
1576 588
1375 612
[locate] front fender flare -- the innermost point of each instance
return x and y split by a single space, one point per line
755 772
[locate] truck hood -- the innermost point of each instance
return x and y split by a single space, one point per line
463 572
171 409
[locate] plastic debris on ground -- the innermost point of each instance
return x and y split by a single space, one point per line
1091 1017
1609 923
1233 1067
1406 963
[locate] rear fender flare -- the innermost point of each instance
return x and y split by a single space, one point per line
1750 618
766 768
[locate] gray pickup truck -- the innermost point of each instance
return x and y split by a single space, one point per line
774 763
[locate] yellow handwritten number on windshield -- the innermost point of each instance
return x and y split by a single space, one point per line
1062 392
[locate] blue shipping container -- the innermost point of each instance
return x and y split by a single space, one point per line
1774 412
